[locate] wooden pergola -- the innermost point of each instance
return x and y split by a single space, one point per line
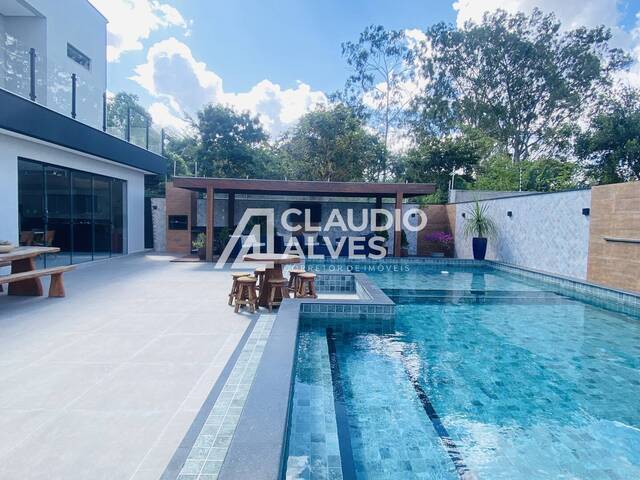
231 186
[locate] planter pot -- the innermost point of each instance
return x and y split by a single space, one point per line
404 251
479 248
202 253
7 248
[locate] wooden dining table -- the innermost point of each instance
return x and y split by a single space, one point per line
23 259
273 270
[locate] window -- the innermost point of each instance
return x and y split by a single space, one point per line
77 56
178 222
315 213
83 214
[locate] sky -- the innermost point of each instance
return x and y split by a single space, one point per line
279 59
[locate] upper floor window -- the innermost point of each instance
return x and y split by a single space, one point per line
77 56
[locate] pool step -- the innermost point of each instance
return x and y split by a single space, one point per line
517 297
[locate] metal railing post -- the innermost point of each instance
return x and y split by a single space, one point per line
146 132
127 133
104 111
32 74
73 95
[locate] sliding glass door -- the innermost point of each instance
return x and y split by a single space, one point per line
57 232
81 213
82 192
101 217
31 209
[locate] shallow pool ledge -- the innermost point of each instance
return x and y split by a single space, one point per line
258 447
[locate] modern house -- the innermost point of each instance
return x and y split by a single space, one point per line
67 178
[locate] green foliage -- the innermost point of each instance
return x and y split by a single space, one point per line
199 242
182 155
117 107
610 149
434 160
229 142
382 66
331 144
499 173
404 241
220 239
519 79
478 223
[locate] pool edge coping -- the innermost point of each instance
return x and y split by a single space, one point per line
259 444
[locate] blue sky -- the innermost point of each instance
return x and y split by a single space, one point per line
278 59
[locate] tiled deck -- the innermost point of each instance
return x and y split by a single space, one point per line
104 383
210 447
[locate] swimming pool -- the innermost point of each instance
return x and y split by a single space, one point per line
484 375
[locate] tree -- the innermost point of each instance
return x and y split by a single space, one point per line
499 173
331 143
435 159
229 143
382 65
182 155
519 79
610 148
117 108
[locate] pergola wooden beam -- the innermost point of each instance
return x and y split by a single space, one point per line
209 224
291 187
397 234
233 186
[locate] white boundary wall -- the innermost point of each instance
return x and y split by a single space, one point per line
546 232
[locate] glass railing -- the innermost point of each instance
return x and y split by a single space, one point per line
61 85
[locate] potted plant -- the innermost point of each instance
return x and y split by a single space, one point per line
479 224
200 244
6 246
404 244
441 243
221 239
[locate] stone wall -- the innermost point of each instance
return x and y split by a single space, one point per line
546 232
459 196
159 219
615 216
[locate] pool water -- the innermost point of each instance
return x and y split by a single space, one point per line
485 376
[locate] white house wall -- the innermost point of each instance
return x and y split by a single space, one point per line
61 22
546 232
11 148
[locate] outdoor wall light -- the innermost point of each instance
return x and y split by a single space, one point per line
509 214
586 212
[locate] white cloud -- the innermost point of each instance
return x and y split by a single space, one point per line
131 21
184 85
166 117
572 13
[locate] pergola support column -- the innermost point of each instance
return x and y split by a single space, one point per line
210 224
231 211
397 225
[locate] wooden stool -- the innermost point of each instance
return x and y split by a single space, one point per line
293 280
234 286
306 285
277 285
246 294
259 274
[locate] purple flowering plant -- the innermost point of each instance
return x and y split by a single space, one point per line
443 238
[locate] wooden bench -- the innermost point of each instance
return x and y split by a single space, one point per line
56 288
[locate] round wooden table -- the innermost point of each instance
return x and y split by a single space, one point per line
273 269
